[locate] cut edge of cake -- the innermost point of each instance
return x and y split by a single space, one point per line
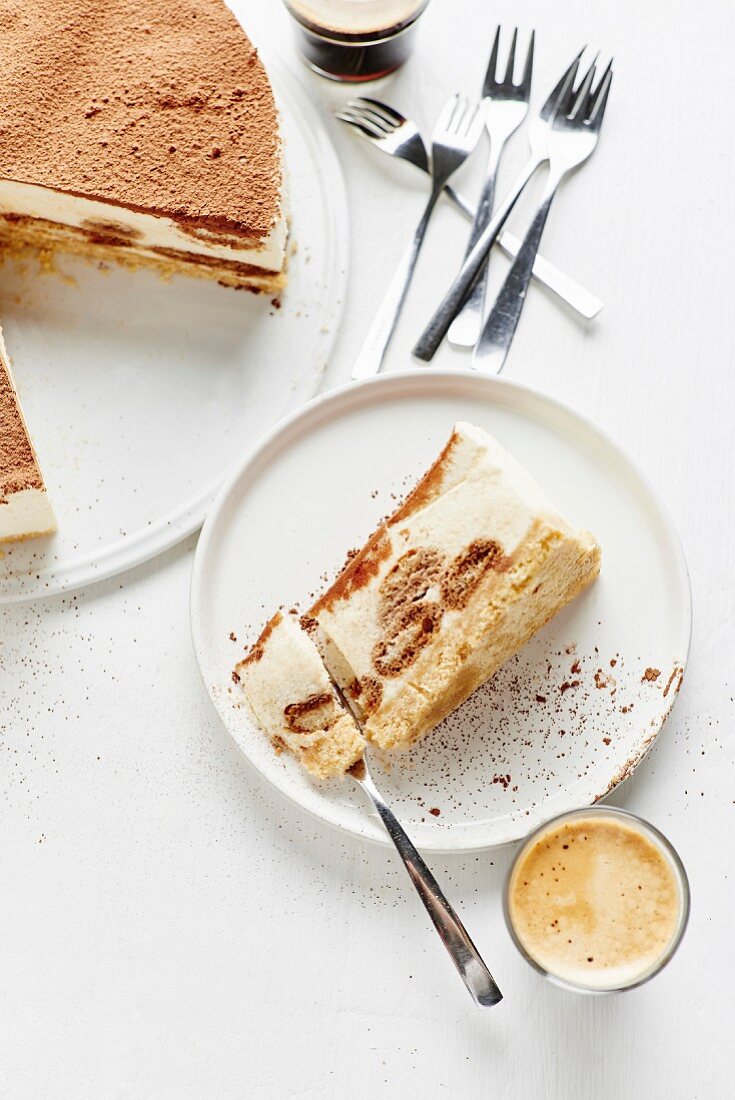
25 508
294 701
164 151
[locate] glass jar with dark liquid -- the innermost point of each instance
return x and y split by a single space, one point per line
355 40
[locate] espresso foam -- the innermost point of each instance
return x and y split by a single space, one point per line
595 902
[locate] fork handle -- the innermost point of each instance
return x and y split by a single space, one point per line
454 935
459 201
500 326
372 353
581 300
436 329
467 325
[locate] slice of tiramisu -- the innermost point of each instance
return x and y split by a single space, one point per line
293 699
143 131
473 563
25 509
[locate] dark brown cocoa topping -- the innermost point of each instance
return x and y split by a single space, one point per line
258 648
160 106
358 572
429 487
18 467
308 623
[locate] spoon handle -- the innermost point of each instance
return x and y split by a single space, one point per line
453 933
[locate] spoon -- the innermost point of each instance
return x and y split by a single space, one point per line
452 932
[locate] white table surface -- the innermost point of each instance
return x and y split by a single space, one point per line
168 927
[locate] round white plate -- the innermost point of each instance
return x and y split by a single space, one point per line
141 394
565 720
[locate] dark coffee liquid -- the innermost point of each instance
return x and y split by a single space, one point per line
354 42
355 61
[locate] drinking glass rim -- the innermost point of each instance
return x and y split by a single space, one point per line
663 842
361 38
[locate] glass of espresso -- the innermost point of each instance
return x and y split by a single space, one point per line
355 40
597 900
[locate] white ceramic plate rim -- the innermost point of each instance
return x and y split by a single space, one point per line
174 526
391 386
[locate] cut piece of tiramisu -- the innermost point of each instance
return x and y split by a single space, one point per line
143 131
470 566
294 700
25 509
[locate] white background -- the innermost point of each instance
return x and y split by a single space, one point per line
168 928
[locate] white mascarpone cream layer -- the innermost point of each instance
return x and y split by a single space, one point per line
483 494
27 512
286 671
147 231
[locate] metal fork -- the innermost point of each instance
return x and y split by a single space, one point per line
455 136
538 137
397 136
504 106
454 935
572 139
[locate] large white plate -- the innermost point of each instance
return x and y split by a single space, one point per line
141 394
563 722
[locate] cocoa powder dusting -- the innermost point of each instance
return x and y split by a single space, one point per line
18 467
162 107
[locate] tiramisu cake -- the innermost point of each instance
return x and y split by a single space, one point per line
462 574
25 509
472 564
294 700
142 131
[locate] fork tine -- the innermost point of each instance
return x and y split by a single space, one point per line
525 83
448 111
362 128
594 93
603 91
492 66
368 114
381 108
508 78
475 125
461 123
368 126
349 114
570 76
467 114
580 94
458 114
